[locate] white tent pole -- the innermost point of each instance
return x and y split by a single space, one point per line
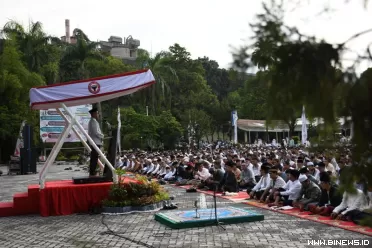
53 154
114 176
80 137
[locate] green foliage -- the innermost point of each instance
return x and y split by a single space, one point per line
169 130
142 130
135 194
61 157
305 71
296 139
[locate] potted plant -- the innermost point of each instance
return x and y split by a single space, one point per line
144 195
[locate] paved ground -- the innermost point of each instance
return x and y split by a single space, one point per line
276 230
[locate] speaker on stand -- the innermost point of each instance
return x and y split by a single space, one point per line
28 152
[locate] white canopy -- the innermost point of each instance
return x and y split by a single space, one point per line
89 90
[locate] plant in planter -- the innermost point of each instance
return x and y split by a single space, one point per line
125 197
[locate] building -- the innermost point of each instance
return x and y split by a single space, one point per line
252 130
67 37
122 48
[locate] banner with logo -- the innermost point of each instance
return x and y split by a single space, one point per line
52 124
89 91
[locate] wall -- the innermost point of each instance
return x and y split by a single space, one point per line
120 52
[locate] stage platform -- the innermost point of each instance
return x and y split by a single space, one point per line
58 198
186 218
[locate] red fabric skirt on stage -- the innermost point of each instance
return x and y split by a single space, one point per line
65 198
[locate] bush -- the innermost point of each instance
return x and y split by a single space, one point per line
135 194
296 139
61 157
74 158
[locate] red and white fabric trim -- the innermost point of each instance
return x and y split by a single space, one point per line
90 90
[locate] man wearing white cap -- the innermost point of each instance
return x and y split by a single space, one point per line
309 194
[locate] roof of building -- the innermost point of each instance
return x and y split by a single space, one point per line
281 126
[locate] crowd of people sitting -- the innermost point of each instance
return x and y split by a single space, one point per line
274 176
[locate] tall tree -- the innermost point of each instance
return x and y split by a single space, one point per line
15 82
39 50
76 55
159 95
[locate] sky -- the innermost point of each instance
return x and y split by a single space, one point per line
204 27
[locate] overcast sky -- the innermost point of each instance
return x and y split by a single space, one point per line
204 27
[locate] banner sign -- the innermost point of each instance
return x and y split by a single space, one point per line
52 124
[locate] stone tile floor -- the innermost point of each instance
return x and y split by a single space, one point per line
277 230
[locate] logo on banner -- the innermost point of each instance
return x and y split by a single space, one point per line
94 87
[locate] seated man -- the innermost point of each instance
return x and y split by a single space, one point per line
237 172
365 213
292 190
305 171
309 194
313 171
277 183
262 185
247 177
350 202
329 198
202 173
229 182
214 180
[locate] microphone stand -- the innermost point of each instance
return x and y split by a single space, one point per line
216 221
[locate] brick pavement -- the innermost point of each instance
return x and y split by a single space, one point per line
82 231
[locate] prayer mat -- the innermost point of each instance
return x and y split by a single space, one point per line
240 197
206 217
347 225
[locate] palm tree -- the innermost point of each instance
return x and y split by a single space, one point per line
33 43
40 52
81 51
159 94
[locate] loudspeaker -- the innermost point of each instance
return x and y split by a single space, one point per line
28 160
28 140
111 156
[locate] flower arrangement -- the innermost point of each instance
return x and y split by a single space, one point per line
135 194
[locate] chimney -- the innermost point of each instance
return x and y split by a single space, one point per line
67 26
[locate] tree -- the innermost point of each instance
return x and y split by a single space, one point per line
169 130
39 50
217 78
307 71
159 95
254 97
15 82
199 121
139 129
76 56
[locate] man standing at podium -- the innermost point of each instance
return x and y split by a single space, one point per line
94 131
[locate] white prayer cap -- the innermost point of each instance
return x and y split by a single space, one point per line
310 164
302 178
291 163
149 160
